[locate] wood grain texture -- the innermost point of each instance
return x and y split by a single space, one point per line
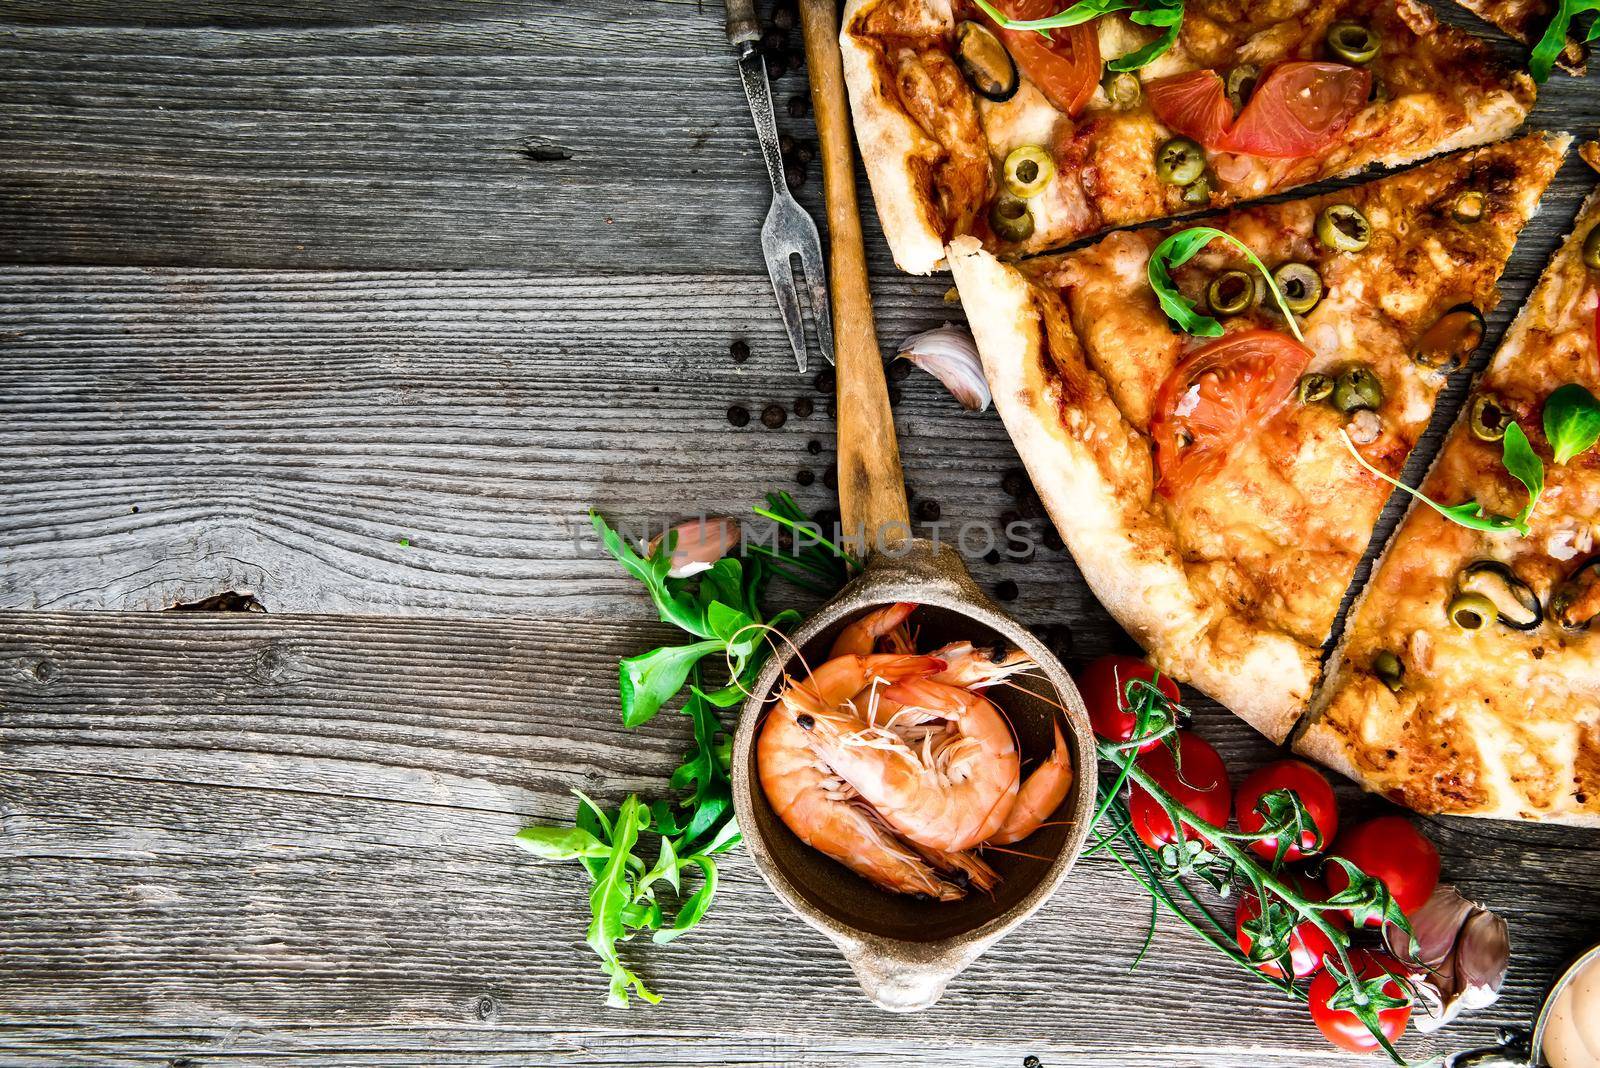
231 838
278 434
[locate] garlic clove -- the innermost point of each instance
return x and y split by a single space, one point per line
1464 950
701 543
949 354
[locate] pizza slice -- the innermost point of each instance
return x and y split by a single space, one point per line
1527 21
1202 483
1468 679
1028 142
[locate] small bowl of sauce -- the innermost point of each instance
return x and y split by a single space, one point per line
1568 1032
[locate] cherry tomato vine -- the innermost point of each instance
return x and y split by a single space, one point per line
1353 981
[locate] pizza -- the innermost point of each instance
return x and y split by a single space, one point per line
1525 21
1027 142
1203 484
1468 680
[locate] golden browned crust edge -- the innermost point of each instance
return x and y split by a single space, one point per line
889 142
1264 676
1329 746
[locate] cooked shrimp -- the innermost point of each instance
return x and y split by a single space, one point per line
1041 794
951 792
965 868
840 680
861 637
826 815
972 668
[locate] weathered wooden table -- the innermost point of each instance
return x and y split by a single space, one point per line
355 308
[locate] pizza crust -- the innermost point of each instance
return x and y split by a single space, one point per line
895 152
1336 744
1127 556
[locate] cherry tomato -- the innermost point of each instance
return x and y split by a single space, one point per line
1104 685
1065 66
1307 945
1202 787
1194 104
1217 397
1390 849
1316 797
1341 1026
1298 109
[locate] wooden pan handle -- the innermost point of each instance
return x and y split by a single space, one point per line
872 490
743 26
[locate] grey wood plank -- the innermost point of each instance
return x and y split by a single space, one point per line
343 135
173 434
240 838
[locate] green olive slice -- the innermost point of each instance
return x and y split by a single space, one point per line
1390 671
1241 83
1342 228
1300 285
1470 611
1353 42
1356 390
985 62
1487 418
1180 161
1469 207
1515 603
1123 89
1313 387
1231 292
1591 249
1576 602
1028 170
1011 219
1198 192
1446 344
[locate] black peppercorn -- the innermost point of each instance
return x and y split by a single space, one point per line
814 447
830 478
739 415
806 151
739 350
1052 538
992 556
804 407
1005 590
786 145
928 511
783 17
894 394
1014 482
899 370
774 40
1007 518
794 173
825 381
773 416
798 106
805 476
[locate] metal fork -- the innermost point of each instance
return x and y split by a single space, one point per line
788 231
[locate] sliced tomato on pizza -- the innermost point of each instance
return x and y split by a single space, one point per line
1029 140
1203 483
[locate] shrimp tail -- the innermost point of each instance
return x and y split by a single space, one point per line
1040 795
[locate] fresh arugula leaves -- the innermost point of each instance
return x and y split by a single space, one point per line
1166 14
1471 514
1177 250
1543 58
1524 465
720 609
1571 421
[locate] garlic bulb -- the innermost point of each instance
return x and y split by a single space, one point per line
701 543
949 354
1463 951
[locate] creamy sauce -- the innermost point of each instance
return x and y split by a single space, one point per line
1572 1034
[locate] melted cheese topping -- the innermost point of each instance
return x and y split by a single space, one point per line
1500 721
1440 89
